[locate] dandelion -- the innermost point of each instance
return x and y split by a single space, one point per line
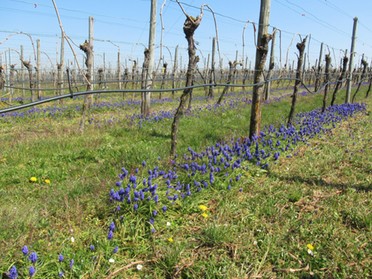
202 207
31 271
33 179
205 215
25 250
170 240
47 181
33 257
310 249
139 267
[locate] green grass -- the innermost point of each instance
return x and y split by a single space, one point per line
321 196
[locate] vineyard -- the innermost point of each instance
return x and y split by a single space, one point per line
202 170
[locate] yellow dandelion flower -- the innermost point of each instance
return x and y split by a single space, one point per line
203 207
33 179
205 215
170 240
47 181
310 247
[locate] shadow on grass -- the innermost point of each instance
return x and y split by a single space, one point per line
157 134
360 187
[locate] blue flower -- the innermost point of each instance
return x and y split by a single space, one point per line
72 263
92 248
112 226
33 257
31 271
116 249
60 258
25 250
110 235
132 178
13 273
60 274
276 155
135 207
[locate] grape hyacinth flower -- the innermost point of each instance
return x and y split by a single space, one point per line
33 257
72 263
60 258
61 274
31 271
116 249
25 250
92 248
110 235
13 273
112 226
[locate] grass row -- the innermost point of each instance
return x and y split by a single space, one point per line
242 235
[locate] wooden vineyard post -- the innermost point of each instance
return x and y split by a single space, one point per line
212 74
189 27
149 71
119 70
271 67
319 70
60 67
350 76
22 72
144 73
37 69
301 50
326 80
263 39
133 77
11 82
